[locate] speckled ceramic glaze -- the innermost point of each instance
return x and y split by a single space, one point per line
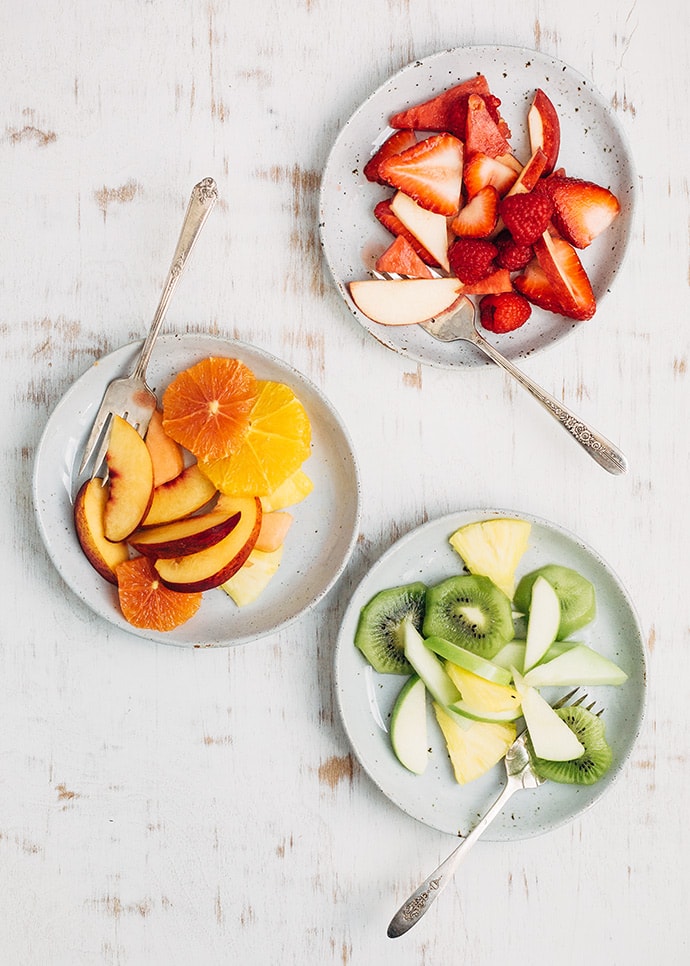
366 697
593 146
320 540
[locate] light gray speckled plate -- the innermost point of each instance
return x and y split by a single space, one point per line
366 698
593 146
317 547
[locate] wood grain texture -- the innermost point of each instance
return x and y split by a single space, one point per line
159 806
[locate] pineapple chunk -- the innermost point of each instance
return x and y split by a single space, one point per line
293 490
251 579
475 750
481 695
493 548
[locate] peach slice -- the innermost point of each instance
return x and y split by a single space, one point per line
166 454
544 129
211 567
184 536
102 554
404 301
130 472
180 497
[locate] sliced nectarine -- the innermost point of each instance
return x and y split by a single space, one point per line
180 497
102 554
274 528
166 455
130 473
184 536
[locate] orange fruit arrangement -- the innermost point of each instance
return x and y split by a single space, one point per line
200 502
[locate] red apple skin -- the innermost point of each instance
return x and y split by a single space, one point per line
544 129
211 567
183 536
102 554
531 173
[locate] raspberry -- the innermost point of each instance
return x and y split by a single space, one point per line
512 256
526 216
472 259
504 312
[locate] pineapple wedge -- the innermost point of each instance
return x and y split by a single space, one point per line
483 700
293 490
475 750
493 548
251 579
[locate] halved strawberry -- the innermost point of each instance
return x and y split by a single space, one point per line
445 111
472 259
581 209
567 276
482 170
430 172
400 258
535 286
397 142
495 283
505 312
478 217
482 133
526 215
387 217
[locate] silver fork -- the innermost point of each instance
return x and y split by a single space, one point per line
519 774
460 324
130 397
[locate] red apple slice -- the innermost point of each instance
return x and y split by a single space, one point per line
211 567
544 129
130 472
102 554
404 301
180 497
530 174
429 228
184 536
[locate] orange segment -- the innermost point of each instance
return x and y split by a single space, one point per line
276 443
206 407
145 602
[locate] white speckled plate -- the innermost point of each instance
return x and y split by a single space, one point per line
366 697
593 146
317 547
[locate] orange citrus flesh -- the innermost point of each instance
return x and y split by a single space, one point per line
145 602
206 407
276 443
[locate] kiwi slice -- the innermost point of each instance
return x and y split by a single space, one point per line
595 760
470 611
379 634
575 593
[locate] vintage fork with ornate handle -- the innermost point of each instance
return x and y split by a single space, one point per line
459 324
130 397
519 774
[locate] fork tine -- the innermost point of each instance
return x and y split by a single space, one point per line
102 417
566 698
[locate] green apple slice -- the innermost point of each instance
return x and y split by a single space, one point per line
551 737
428 667
512 654
409 726
543 621
468 660
578 665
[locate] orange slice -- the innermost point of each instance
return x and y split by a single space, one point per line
276 443
206 407
144 600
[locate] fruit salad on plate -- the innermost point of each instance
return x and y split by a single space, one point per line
480 647
468 217
202 501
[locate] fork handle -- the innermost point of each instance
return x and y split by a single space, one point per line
201 202
597 446
418 903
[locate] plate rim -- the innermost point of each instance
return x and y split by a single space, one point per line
477 513
569 325
130 350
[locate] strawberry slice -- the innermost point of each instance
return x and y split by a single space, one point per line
527 215
472 259
482 133
387 217
445 111
430 172
400 258
581 209
535 286
397 142
495 283
567 276
478 218
482 170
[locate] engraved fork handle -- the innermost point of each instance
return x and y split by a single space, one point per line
201 202
596 445
418 903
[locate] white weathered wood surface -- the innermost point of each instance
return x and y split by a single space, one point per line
163 806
